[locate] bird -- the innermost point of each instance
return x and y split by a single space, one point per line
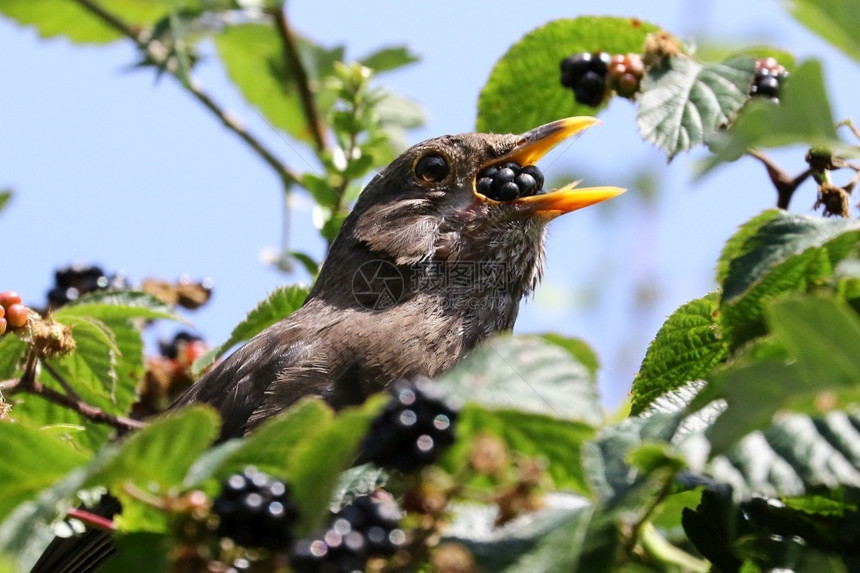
385 305
425 268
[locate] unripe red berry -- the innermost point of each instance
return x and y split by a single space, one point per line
16 315
9 297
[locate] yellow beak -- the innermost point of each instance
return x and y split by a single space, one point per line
537 143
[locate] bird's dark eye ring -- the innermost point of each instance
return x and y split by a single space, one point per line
432 168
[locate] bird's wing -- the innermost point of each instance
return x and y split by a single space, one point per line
237 386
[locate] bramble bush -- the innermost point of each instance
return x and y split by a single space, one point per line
739 451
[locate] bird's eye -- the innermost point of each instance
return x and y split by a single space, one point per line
432 168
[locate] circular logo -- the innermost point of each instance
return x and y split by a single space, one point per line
377 285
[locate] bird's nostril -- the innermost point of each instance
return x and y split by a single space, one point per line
508 181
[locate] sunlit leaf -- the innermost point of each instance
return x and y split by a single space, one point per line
524 88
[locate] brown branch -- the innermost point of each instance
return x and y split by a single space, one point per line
286 174
28 383
784 183
157 52
291 56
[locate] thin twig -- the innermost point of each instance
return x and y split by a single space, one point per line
291 56
61 380
28 383
286 174
784 183
92 519
847 122
156 51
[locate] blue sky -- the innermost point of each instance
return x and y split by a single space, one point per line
109 166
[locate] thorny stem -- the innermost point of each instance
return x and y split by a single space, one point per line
784 183
157 52
28 383
291 56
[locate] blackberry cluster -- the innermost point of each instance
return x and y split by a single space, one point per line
411 431
13 314
76 280
769 75
509 181
367 528
255 510
625 74
585 73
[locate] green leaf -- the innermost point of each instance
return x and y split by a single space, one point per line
609 475
60 18
33 461
114 305
157 457
69 19
833 20
267 448
394 110
524 88
683 102
141 552
559 443
542 542
26 532
355 482
650 457
278 305
288 446
528 374
389 58
91 368
254 59
5 196
789 253
686 348
579 349
737 244
311 266
105 369
313 476
320 190
823 337
803 116
795 456
12 350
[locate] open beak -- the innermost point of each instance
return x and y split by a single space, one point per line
537 143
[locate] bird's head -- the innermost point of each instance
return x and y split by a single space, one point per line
425 206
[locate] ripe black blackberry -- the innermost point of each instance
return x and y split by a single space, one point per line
769 76
255 510
76 280
366 528
585 73
509 181
377 520
412 430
